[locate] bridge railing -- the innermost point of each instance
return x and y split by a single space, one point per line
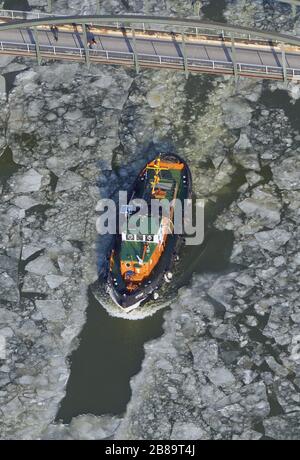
159 60
145 26
18 14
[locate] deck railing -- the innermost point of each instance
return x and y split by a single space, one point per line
18 14
153 26
98 55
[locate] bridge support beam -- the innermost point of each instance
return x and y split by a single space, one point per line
37 45
185 59
234 60
135 54
284 66
85 44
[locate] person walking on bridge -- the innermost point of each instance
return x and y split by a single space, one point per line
54 30
91 39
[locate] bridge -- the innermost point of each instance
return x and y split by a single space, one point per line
187 45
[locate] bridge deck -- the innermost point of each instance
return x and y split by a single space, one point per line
203 53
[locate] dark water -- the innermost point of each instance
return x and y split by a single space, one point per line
10 78
197 89
214 10
7 166
20 5
111 349
110 353
280 100
213 255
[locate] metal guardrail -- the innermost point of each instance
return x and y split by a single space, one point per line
120 56
25 20
290 2
196 31
148 22
28 15
18 14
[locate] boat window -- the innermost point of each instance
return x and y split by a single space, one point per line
139 237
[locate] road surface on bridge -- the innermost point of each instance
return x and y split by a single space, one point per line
215 50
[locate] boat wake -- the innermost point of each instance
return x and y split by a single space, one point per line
146 309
